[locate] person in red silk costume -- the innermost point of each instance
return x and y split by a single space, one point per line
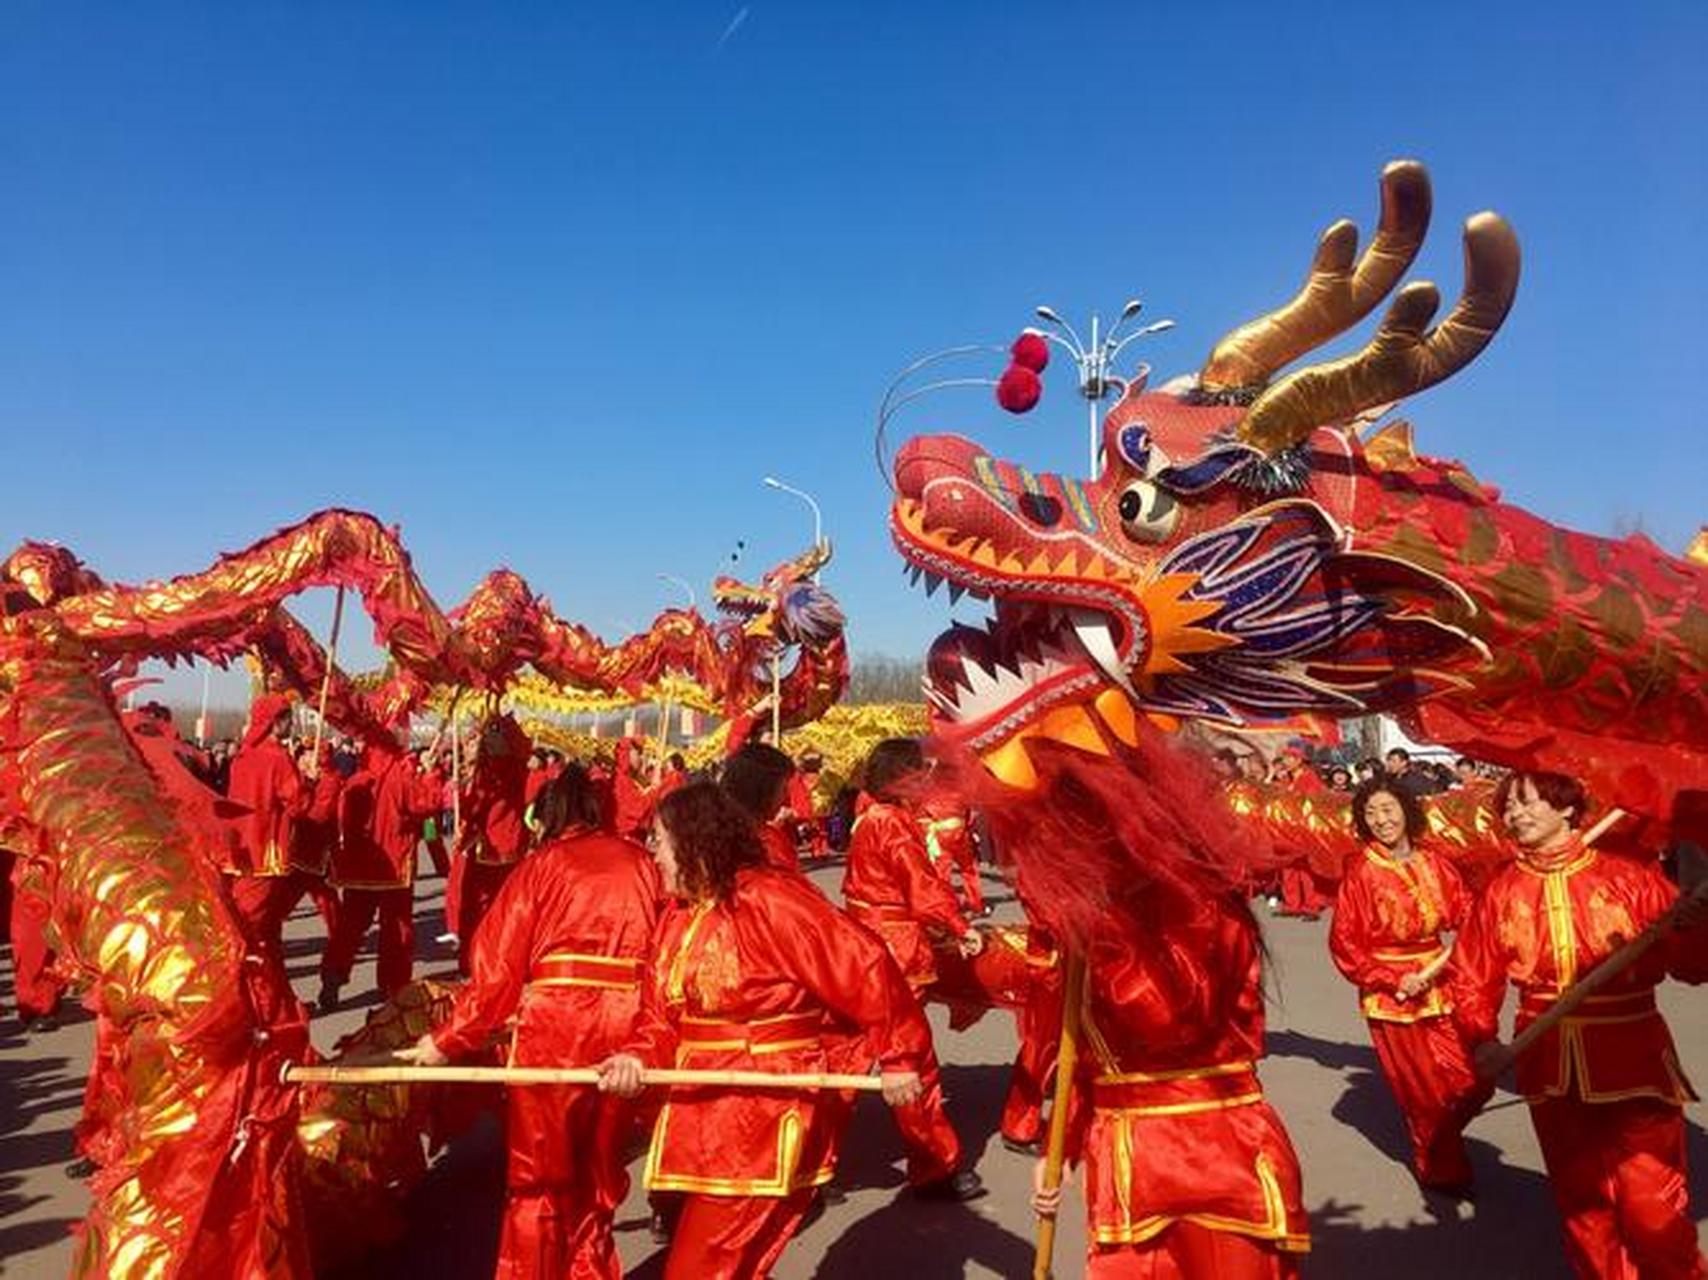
890 887
800 809
752 968
491 833
1128 859
949 846
1396 900
563 949
380 814
631 805
317 834
1188 1171
758 777
264 780
1605 1088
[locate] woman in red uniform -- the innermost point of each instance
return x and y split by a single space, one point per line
491 834
890 887
1394 903
1605 1087
563 950
380 813
1188 1171
753 969
758 777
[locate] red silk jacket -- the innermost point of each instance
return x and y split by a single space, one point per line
1388 919
758 983
264 780
494 800
891 888
380 816
1177 1128
1543 923
564 947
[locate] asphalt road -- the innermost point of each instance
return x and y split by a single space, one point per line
1367 1217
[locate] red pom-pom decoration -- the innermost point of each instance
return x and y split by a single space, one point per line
1030 351
1018 389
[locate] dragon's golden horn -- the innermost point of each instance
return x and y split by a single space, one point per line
1337 294
1402 358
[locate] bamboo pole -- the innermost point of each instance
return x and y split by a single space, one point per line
326 680
1067 1059
405 1073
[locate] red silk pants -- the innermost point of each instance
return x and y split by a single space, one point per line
480 885
1187 1251
733 1237
565 1179
1618 1174
1437 1090
395 909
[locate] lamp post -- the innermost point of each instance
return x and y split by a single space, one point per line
1095 361
771 482
687 587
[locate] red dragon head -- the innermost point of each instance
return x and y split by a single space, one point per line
1200 573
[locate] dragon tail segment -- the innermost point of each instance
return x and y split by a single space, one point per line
199 1128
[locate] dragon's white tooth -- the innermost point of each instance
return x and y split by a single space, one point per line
956 591
1094 634
914 572
932 582
978 680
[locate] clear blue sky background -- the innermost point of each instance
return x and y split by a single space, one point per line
553 285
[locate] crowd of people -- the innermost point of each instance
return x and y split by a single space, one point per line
638 916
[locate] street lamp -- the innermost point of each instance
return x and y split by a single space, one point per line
1095 361
693 600
771 482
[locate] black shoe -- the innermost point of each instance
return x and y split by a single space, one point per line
327 1000
659 1228
957 1187
1020 1148
82 1168
48 1022
830 1193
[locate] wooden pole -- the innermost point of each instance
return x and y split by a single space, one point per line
410 1074
777 698
326 680
1067 1059
456 774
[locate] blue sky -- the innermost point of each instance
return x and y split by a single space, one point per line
552 286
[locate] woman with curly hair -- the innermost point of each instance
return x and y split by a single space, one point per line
753 971
1395 901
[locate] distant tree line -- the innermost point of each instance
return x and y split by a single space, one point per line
877 677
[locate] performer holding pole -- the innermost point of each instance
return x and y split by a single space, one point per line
563 951
753 969
1604 1084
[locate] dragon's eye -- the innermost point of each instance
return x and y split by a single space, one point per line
1148 514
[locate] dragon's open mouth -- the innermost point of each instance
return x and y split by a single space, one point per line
986 683
1049 645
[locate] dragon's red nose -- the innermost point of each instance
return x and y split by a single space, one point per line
926 458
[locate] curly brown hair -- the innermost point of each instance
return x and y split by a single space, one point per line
713 836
